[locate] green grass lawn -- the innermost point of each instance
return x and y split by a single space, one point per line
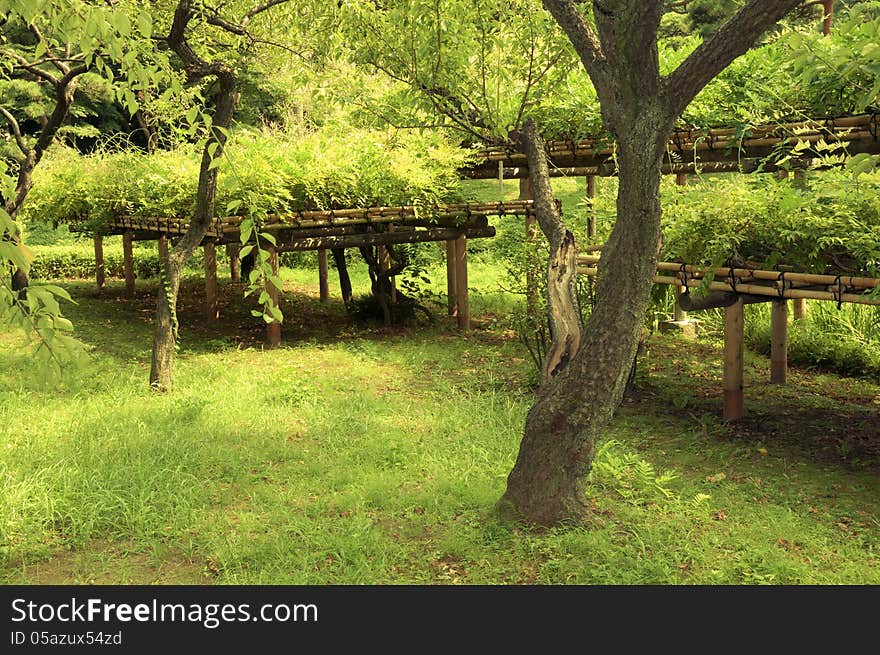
360 454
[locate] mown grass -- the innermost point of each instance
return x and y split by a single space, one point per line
359 454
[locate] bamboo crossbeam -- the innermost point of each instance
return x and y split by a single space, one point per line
336 218
849 128
757 289
747 273
384 238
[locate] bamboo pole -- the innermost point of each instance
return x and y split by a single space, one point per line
778 342
846 281
759 290
733 362
211 281
323 282
273 329
100 274
461 280
128 264
382 238
451 283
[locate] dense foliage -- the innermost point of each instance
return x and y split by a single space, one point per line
264 172
831 226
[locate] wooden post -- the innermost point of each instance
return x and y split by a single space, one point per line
273 329
451 284
591 215
385 264
100 278
323 282
461 280
778 342
678 314
128 264
162 247
211 281
733 361
828 20
526 193
232 251
800 304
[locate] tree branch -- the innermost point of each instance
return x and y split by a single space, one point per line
585 43
16 131
732 39
33 69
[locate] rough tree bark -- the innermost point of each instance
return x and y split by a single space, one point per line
639 107
562 299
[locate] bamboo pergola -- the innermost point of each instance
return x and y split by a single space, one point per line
691 149
732 288
321 230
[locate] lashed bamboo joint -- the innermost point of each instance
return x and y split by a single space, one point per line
461 215
725 149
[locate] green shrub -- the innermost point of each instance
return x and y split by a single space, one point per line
812 347
263 173
77 261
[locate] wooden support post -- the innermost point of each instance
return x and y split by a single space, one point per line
385 264
800 304
779 342
323 282
461 280
100 277
232 251
128 264
212 303
591 214
678 314
451 284
828 20
531 225
162 247
273 329
733 362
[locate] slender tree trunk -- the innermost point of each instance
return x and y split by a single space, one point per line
64 90
344 279
547 484
562 300
165 336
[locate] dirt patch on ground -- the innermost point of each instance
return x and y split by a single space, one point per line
102 562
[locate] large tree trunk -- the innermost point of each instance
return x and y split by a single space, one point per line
547 484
